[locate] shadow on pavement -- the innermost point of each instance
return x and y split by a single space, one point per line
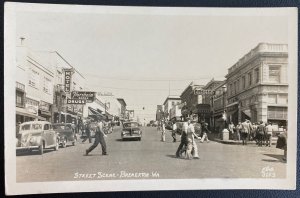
172 156
127 140
278 158
34 152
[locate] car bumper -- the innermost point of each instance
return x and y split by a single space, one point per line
27 147
131 136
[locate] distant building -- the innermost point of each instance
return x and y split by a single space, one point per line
123 108
257 85
169 103
191 100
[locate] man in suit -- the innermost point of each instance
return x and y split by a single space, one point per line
246 130
99 138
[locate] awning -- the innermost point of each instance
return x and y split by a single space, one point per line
41 118
110 117
24 112
94 112
98 110
232 104
247 112
47 113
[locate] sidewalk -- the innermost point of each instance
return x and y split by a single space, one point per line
214 137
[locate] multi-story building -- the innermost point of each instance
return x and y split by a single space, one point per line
35 82
257 85
218 106
123 108
191 100
169 103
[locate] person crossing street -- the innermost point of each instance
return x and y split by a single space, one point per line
99 138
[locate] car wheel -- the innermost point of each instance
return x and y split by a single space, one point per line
75 140
57 145
64 143
140 139
41 149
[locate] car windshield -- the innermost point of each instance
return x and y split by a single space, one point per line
26 127
59 127
130 125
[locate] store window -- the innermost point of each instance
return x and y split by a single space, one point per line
274 74
19 99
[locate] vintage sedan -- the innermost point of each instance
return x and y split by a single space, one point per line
37 135
65 133
131 130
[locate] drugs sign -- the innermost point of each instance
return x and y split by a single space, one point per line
75 101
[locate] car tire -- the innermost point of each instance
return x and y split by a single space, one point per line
75 140
41 149
140 139
57 145
64 143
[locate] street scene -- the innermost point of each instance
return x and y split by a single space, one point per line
149 159
145 96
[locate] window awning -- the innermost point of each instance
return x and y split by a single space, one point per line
24 112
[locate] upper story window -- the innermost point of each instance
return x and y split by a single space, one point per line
250 78
33 78
243 82
173 103
256 73
274 73
47 88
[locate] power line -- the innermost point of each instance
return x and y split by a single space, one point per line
130 89
166 80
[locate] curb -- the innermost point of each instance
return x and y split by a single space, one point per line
236 142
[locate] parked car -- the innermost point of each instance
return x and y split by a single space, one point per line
131 130
37 135
65 133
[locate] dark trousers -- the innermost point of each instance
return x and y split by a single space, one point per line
99 138
88 136
182 143
174 136
244 138
260 138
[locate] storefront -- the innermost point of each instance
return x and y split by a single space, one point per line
44 111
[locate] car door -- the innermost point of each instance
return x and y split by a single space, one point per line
48 135
54 134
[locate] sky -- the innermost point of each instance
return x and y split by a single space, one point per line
144 58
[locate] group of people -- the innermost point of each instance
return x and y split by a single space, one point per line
246 131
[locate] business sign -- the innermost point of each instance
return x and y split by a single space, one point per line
203 109
88 96
44 106
104 94
68 79
32 106
203 92
75 101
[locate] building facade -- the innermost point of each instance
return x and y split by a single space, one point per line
257 85
191 101
123 108
170 102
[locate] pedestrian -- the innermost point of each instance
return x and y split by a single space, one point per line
99 138
246 129
183 141
158 126
163 131
260 133
231 129
238 129
174 129
204 132
87 132
253 132
282 144
269 132
191 148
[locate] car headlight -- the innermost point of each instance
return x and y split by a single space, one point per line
33 139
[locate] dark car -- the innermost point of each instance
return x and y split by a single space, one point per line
169 125
131 130
65 133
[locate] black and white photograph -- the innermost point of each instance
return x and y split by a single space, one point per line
112 98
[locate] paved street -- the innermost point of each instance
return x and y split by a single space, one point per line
148 159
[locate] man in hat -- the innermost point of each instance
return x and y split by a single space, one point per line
99 138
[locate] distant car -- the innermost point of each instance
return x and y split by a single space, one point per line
66 134
37 135
131 130
169 125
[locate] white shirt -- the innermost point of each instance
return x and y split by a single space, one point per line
174 127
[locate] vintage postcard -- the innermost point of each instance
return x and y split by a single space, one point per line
103 98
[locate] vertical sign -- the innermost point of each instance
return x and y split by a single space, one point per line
68 78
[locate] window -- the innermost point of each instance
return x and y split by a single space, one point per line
274 74
243 82
235 88
272 99
250 78
47 86
231 89
256 73
46 127
33 79
19 99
